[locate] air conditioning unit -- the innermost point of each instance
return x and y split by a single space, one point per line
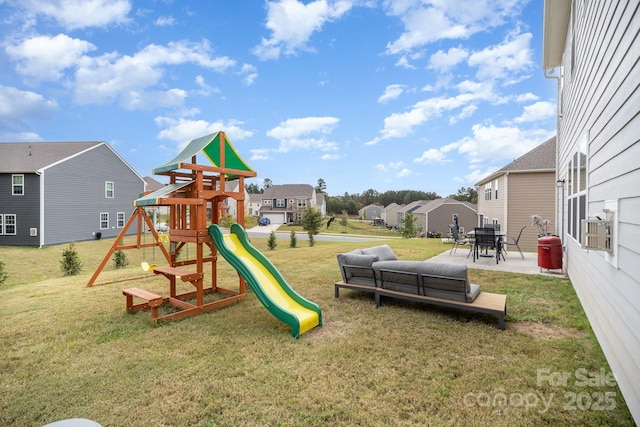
597 234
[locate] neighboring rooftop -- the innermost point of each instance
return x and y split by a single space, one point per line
32 156
541 158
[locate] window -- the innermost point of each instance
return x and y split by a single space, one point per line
281 203
17 185
487 191
120 220
302 203
9 225
496 183
109 189
577 191
104 220
1 223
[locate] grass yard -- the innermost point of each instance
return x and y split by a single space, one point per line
71 351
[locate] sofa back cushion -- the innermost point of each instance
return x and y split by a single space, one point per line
449 281
383 252
355 267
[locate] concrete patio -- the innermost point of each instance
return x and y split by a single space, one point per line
513 263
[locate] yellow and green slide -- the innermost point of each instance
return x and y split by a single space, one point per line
266 281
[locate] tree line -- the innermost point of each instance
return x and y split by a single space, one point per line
352 203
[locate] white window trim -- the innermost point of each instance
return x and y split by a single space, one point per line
15 225
120 220
107 189
14 186
107 220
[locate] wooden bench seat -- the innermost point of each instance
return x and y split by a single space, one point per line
485 302
184 275
152 301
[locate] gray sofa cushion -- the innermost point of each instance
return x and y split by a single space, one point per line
361 260
439 280
362 273
383 252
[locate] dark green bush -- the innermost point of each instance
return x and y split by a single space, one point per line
70 263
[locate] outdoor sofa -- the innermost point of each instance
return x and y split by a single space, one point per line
378 270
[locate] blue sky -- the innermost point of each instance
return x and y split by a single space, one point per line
429 95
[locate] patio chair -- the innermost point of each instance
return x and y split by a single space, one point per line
457 241
515 241
485 239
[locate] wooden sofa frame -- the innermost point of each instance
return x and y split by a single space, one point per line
485 302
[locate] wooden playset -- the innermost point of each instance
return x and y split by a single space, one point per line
194 192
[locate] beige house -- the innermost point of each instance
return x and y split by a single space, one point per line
389 214
524 187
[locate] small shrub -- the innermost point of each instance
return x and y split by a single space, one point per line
271 241
293 240
120 259
3 273
227 220
70 263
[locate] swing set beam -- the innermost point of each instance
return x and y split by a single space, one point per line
139 215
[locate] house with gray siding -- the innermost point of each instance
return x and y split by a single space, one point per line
286 203
435 216
59 192
591 50
370 212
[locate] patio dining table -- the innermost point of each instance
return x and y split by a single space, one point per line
499 236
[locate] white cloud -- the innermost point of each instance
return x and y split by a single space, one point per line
181 131
526 97
499 144
296 134
464 114
431 155
429 21
44 58
391 92
292 23
109 77
539 111
260 154
205 88
502 61
404 172
249 73
165 21
398 169
18 107
399 125
444 61
76 14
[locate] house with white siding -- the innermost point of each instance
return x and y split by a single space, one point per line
59 192
591 50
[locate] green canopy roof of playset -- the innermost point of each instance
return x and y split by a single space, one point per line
209 145
152 199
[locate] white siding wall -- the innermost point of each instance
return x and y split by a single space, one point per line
601 100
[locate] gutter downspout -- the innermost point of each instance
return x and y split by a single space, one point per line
41 226
548 74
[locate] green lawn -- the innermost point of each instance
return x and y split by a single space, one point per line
71 351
